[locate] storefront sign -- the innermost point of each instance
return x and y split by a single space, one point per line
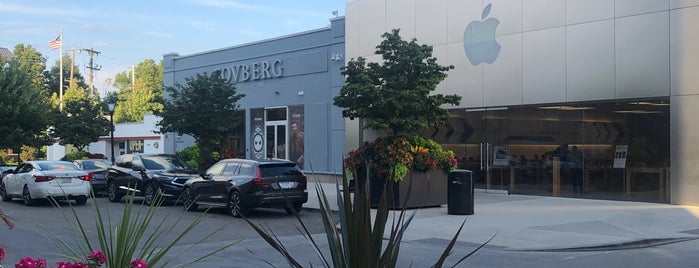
134 146
253 71
620 156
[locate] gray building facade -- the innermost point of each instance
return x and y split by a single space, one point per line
289 83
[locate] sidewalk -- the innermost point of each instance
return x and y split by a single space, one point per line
547 223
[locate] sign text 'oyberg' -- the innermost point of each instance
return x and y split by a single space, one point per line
253 71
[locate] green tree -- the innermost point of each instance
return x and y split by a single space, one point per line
81 121
140 94
53 76
396 95
25 112
204 108
32 62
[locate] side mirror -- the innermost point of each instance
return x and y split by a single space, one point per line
138 168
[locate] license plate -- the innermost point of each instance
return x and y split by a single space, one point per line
62 181
287 184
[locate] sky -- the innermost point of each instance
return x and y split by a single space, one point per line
127 32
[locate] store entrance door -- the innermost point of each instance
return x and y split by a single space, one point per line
487 151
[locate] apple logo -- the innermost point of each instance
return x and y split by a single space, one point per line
479 39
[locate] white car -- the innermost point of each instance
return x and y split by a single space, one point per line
34 180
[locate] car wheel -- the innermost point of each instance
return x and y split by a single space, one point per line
297 207
113 192
188 200
235 206
3 193
81 200
149 192
27 197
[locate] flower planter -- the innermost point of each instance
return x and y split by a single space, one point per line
429 189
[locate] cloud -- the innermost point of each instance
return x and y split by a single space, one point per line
202 25
100 44
269 9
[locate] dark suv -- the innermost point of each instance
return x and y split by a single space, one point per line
146 174
241 184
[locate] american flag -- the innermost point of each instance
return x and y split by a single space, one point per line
57 43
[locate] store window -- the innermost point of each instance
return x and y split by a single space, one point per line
572 149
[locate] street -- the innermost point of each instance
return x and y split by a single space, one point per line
31 238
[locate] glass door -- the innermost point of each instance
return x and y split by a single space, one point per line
276 133
487 151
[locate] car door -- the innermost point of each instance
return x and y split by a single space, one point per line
17 181
204 189
123 172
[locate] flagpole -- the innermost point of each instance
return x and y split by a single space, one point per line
60 73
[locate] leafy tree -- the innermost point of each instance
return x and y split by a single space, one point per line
25 112
81 121
396 95
53 76
140 94
204 108
32 62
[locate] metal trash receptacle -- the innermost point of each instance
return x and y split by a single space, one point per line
460 192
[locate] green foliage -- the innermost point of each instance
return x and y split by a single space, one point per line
396 95
204 108
75 156
359 241
140 94
25 113
29 153
394 155
190 155
81 121
53 76
134 237
4 158
31 62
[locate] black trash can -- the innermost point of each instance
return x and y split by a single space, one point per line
460 192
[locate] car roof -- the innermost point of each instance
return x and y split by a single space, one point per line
260 161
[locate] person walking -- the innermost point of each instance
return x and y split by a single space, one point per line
575 163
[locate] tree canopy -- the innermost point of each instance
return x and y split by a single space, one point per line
81 121
396 95
204 108
140 94
25 112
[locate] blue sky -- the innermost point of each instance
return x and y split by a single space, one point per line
127 32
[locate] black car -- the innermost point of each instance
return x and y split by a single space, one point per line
98 168
145 174
241 184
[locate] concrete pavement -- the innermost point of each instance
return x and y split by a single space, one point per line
538 223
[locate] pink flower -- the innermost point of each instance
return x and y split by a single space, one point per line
28 262
2 254
138 263
70 265
97 255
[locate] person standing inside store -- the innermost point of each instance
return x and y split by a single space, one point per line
296 150
575 163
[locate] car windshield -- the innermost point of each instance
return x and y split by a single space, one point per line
57 166
158 162
97 164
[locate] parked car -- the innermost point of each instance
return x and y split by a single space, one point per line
145 174
241 184
35 180
6 169
98 168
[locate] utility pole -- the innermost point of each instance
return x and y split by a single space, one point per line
91 53
72 66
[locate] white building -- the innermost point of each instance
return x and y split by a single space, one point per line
133 137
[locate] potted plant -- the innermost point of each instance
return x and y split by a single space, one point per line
395 97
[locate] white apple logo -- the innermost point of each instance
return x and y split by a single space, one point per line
479 39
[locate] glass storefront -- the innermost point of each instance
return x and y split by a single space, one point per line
616 150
